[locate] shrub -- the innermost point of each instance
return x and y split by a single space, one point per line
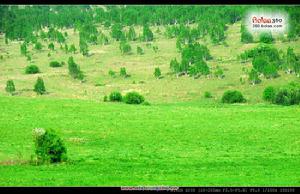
266 37
157 72
28 58
112 73
288 95
32 69
233 96
105 98
55 64
125 48
207 95
39 86
139 50
38 46
269 94
115 96
49 147
74 69
10 86
123 72
51 46
253 77
133 98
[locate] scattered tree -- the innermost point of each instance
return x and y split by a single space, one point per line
10 87
39 86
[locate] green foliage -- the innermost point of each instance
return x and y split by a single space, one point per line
38 46
285 95
112 73
157 72
51 46
39 86
10 86
193 60
254 77
219 73
49 147
23 49
32 69
198 69
269 94
147 33
123 72
265 60
55 64
74 69
105 98
139 50
246 37
291 62
233 96
174 66
266 37
155 48
116 32
115 96
72 49
133 98
131 36
207 94
125 47
83 47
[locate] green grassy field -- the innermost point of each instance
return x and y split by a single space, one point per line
182 139
168 144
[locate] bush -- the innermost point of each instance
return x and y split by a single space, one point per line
157 72
51 46
112 73
233 96
123 72
32 69
266 37
115 96
288 95
10 86
105 98
49 147
139 50
38 46
55 64
74 69
133 98
269 94
207 95
39 86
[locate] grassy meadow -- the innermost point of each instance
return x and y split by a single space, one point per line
181 139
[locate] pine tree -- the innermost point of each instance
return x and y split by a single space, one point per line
147 33
74 69
10 87
51 46
131 34
23 49
39 86
157 72
253 77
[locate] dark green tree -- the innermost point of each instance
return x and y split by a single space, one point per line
10 87
157 73
39 86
